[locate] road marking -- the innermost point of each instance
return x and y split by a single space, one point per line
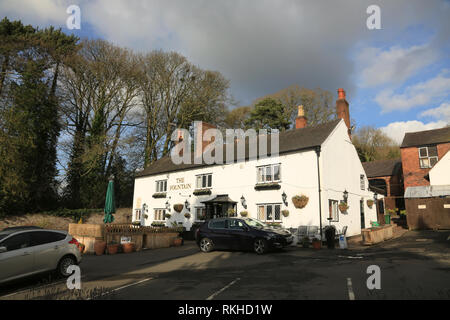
223 289
351 294
36 288
123 287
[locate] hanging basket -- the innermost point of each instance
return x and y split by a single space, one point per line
244 213
300 201
187 215
285 213
343 207
370 203
178 207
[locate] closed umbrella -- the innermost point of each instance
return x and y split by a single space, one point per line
110 206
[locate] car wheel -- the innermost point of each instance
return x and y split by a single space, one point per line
63 264
260 246
206 245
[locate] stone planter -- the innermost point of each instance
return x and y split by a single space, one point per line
177 242
159 240
317 244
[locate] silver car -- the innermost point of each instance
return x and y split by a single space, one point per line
31 250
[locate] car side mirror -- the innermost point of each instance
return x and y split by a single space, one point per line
3 249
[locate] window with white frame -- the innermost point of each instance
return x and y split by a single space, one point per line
160 214
137 214
269 173
203 181
362 182
270 212
428 156
333 210
200 213
161 186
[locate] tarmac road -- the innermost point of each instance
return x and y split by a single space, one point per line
415 266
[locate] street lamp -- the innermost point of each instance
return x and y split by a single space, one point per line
375 196
284 197
243 202
186 205
167 205
345 196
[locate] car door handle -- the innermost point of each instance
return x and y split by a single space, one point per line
56 247
26 254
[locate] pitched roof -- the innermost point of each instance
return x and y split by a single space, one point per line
290 140
382 168
421 138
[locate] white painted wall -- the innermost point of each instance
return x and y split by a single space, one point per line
440 173
340 170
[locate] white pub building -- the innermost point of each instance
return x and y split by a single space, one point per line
318 163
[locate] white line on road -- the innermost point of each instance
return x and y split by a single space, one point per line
351 294
223 289
123 287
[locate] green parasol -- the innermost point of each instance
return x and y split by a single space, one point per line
110 206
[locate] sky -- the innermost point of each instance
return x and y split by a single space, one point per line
397 78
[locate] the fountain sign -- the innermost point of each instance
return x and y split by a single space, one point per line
180 185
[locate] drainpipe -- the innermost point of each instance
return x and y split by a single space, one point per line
320 191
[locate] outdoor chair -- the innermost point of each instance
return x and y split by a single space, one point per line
302 231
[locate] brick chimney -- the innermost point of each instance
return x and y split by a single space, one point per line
200 128
300 121
342 110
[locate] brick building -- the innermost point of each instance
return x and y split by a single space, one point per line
420 151
427 204
386 177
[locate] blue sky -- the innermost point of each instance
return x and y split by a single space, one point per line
396 78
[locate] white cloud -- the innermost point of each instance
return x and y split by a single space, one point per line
397 130
419 94
392 66
441 113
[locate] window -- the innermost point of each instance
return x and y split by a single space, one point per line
43 237
428 157
269 212
333 210
161 186
217 224
236 224
362 182
160 214
267 174
204 181
200 213
17 242
137 214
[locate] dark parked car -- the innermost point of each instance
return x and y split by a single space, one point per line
241 234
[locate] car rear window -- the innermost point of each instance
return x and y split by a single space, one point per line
217 224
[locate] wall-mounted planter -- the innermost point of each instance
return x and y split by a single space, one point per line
187 215
300 201
343 207
178 207
244 213
167 215
201 192
285 213
267 186
370 203
159 195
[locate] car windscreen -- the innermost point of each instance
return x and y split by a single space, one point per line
255 223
